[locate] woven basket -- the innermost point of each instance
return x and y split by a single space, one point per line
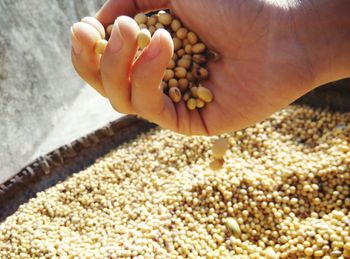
56 166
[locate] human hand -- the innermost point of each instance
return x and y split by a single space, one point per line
264 62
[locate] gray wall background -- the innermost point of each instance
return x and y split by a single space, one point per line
43 103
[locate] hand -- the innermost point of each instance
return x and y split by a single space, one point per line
264 62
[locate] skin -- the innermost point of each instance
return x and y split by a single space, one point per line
272 52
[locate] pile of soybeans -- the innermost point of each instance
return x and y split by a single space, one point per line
187 68
283 192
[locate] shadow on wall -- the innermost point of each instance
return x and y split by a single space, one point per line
37 80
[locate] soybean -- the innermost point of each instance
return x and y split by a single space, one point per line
219 148
270 253
143 38
200 103
191 104
188 49
183 84
180 72
140 18
159 26
233 226
216 164
194 91
100 46
205 94
198 48
181 52
199 58
143 26
165 19
199 72
151 21
175 25
184 62
177 43
169 74
182 33
171 64
109 29
152 29
175 94
186 96
173 83
192 38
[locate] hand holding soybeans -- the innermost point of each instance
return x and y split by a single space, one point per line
266 62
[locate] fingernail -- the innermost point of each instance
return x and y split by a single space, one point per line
116 39
75 43
153 49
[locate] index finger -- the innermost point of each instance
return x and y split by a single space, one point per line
114 8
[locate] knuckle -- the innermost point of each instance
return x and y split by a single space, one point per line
120 109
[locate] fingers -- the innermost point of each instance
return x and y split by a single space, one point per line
117 61
86 62
96 24
114 8
147 98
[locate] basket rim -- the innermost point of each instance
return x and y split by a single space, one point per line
59 164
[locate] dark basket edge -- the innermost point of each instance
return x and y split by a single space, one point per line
66 160
334 96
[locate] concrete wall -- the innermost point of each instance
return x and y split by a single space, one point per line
37 81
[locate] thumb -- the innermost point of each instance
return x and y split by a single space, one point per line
114 8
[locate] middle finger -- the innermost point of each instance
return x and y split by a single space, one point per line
116 63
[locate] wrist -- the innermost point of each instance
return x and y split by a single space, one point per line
323 30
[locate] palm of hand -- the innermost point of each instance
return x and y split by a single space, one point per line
262 67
